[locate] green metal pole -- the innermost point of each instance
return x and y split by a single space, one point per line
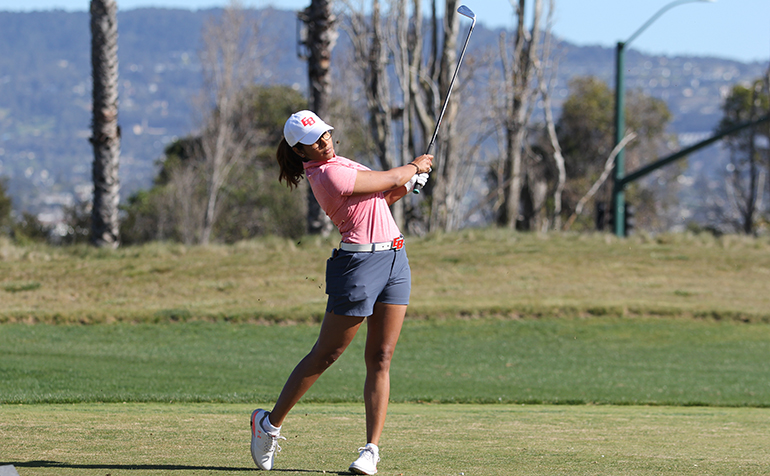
618 189
641 172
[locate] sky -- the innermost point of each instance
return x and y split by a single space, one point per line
732 29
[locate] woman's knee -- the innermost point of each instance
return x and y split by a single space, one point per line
324 358
380 358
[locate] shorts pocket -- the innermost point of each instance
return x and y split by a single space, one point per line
344 276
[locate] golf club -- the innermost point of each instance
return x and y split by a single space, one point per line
467 12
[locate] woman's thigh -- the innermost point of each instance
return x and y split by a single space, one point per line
337 332
383 330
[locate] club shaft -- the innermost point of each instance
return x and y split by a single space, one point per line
446 100
449 93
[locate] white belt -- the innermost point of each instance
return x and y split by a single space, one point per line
396 244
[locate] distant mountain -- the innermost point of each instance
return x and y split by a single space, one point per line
45 91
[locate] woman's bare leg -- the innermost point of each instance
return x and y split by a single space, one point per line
384 328
336 334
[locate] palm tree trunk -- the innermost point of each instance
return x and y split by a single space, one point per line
320 41
106 132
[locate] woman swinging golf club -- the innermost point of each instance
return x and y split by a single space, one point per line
367 278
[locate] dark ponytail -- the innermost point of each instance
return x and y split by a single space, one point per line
290 163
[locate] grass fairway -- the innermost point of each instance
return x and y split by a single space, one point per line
592 360
420 440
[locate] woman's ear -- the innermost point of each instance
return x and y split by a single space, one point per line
298 151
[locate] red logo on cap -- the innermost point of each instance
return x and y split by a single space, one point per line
308 121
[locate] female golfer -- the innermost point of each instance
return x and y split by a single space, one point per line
368 277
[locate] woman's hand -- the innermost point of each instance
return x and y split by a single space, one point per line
423 163
418 180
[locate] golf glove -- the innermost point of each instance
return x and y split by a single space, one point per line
420 179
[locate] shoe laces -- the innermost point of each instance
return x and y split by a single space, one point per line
368 452
271 443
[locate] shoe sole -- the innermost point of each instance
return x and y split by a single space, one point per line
356 470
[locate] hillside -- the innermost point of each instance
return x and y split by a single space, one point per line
45 91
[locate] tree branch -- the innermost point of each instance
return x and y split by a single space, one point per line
606 173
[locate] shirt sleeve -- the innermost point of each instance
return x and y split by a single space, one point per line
339 180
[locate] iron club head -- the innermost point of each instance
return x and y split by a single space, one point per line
467 12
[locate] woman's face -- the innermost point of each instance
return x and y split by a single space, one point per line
322 150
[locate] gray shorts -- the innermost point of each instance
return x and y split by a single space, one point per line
355 281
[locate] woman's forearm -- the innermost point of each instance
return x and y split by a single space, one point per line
391 180
392 196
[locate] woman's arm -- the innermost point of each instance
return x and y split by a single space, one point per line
392 196
392 180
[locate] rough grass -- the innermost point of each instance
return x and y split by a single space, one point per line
472 273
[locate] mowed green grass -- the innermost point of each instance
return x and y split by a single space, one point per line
424 440
588 360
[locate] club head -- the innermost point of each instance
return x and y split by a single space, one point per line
467 12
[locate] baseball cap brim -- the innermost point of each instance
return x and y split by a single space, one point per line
318 130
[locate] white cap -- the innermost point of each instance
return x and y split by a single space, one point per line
304 127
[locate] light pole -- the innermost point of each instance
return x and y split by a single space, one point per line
618 191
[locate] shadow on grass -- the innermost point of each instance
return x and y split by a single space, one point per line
152 467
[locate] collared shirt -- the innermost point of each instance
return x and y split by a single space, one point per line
359 218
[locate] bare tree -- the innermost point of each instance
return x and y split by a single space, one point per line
106 132
371 55
178 207
608 167
403 52
229 59
446 156
402 113
319 43
558 158
545 87
457 146
376 38
519 71
427 80
379 40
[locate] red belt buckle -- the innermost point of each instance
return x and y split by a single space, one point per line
398 243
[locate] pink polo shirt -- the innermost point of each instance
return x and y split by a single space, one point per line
360 218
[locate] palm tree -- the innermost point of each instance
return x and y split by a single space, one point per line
321 36
106 132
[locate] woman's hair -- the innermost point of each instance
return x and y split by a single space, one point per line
290 163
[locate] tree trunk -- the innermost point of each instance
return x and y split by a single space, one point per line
509 210
321 36
443 178
545 91
521 92
378 91
106 132
369 35
403 51
751 200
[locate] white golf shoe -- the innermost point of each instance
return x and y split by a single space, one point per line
368 457
263 445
